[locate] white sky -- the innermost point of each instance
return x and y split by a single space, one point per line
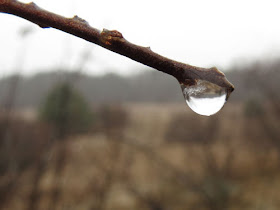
199 32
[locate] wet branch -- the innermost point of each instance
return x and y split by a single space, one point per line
114 41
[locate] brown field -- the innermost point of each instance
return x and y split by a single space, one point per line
146 156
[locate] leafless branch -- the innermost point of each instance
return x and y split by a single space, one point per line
114 41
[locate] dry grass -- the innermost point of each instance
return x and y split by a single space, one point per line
143 169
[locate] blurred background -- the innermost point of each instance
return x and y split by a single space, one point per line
84 128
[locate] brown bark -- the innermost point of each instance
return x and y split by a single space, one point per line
114 41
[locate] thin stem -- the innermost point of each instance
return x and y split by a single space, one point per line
114 41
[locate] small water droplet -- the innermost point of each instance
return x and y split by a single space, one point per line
204 98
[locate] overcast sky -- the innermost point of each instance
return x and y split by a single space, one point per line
199 32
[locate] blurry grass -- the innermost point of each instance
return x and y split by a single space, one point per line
156 169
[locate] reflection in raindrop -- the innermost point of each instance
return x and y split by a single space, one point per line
204 98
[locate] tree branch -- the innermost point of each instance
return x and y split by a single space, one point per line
114 41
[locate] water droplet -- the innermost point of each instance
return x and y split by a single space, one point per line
204 98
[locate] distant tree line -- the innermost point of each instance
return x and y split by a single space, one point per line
145 87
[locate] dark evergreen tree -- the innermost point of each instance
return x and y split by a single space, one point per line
66 110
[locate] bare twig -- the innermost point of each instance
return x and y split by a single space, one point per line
114 41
